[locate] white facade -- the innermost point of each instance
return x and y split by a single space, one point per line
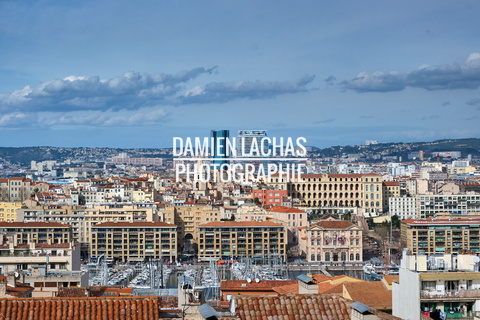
403 207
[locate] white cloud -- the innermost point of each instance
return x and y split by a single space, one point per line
448 76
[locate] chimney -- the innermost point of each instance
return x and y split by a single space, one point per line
3 286
11 281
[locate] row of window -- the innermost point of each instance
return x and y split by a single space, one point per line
334 257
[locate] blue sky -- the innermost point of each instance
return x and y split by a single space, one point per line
136 74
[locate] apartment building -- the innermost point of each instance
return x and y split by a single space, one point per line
54 257
37 232
15 189
438 235
269 197
332 240
235 239
82 218
390 189
8 210
189 217
440 286
292 219
335 190
430 205
46 267
135 241
403 207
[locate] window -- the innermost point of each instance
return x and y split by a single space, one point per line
327 256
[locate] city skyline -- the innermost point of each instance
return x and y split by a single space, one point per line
122 74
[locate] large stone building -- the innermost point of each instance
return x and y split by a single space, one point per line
438 235
233 239
332 240
135 241
335 190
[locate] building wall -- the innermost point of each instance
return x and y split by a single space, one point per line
403 207
189 218
333 244
339 190
429 205
241 241
433 238
406 296
135 242
8 210
269 197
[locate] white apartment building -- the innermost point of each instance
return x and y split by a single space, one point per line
402 207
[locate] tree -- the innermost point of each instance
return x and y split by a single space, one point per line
395 222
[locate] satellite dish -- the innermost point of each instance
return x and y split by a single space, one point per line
249 280
16 275
257 280
476 259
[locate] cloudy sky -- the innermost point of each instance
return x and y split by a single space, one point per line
138 73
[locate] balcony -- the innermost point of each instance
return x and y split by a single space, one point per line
463 294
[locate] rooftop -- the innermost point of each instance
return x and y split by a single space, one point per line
77 308
134 224
240 224
293 307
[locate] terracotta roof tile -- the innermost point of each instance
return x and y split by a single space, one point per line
285 209
391 183
391 278
78 308
293 307
333 224
287 289
371 293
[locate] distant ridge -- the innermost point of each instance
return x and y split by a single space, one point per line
24 155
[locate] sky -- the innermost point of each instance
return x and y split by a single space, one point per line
133 74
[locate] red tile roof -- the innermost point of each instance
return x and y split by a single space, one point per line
134 224
391 278
371 293
285 209
240 224
310 307
320 277
287 289
333 224
437 221
82 308
391 183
